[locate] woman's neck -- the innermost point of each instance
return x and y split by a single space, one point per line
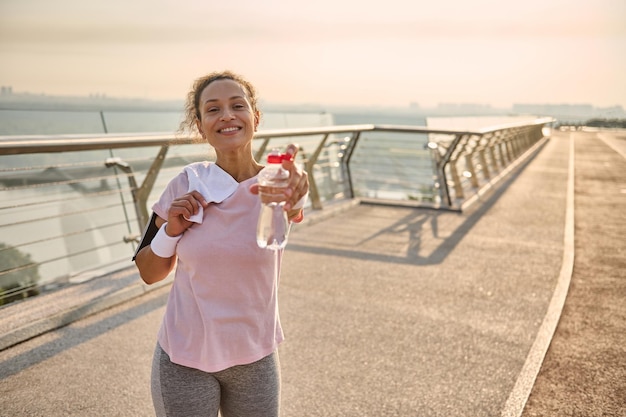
240 168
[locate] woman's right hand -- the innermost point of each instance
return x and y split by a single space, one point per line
153 268
183 208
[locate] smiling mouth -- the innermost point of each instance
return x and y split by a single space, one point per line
229 129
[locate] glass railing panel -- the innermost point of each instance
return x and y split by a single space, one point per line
393 166
61 218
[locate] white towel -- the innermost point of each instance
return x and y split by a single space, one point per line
215 184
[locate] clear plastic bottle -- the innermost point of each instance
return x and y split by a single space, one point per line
273 226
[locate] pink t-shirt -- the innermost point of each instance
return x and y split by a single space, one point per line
222 309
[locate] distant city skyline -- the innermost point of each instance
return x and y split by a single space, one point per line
97 101
329 52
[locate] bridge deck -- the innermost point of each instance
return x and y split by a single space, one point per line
389 311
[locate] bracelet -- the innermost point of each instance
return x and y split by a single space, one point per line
164 245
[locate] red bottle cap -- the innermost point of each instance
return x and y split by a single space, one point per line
277 158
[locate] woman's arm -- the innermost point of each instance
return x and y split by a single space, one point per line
153 268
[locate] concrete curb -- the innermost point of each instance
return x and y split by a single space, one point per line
76 312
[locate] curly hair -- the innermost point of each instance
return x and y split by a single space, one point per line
192 105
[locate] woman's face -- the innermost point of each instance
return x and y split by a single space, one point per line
227 120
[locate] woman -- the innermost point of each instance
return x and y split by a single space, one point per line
217 344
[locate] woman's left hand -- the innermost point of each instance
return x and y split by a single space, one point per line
298 185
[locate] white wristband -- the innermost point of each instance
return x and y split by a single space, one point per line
164 245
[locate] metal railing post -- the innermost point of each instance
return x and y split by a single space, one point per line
441 169
142 193
309 165
261 151
351 145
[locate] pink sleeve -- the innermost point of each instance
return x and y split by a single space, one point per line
177 187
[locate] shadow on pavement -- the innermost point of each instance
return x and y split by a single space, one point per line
70 336
414 224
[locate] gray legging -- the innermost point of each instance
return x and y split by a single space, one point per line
240 391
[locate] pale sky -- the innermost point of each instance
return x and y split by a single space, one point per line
333 52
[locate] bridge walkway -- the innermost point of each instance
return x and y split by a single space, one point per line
391 311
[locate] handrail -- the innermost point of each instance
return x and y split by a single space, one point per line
16 144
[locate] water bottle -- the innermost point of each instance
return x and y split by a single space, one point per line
273 225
